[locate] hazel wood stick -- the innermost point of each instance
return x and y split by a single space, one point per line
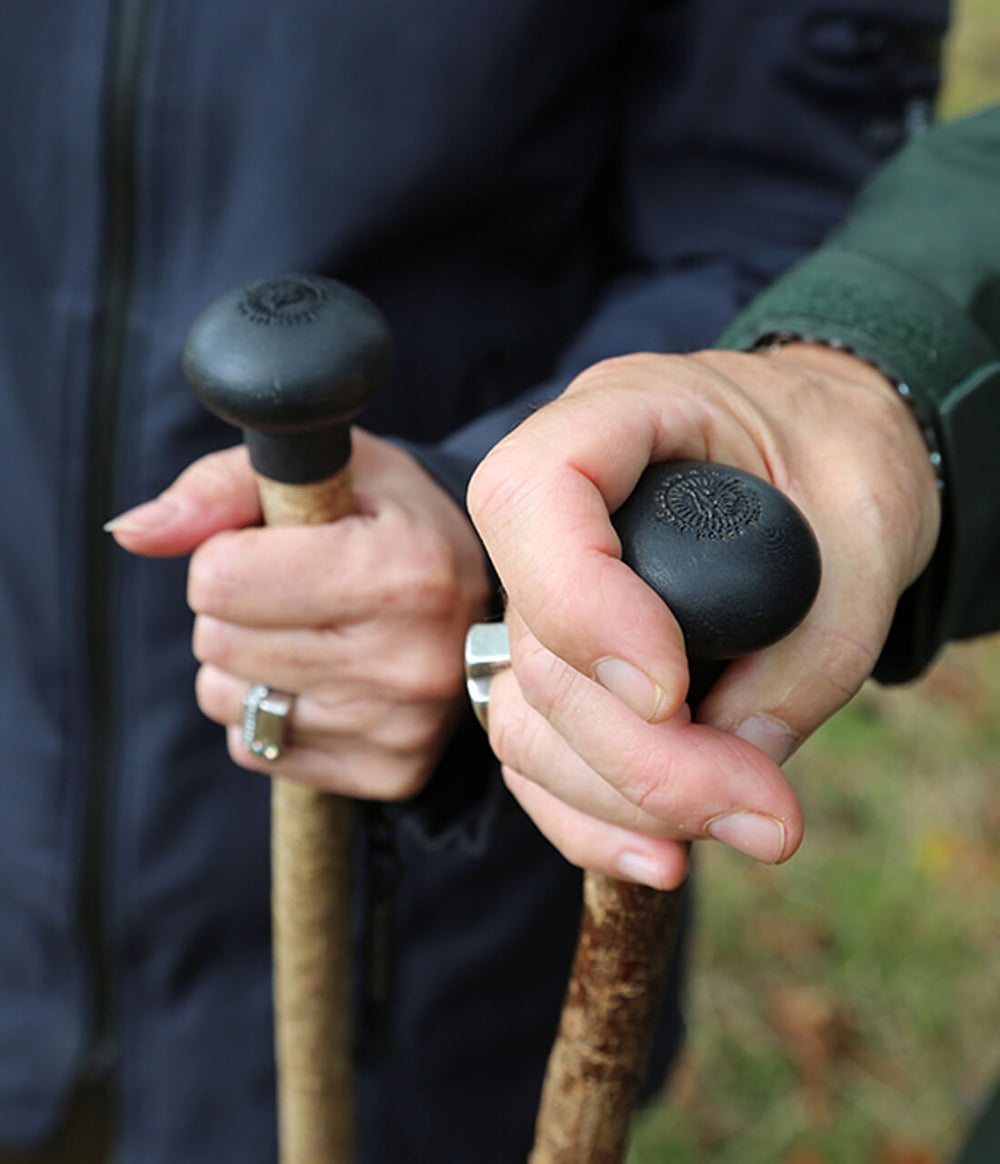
606 1029
739 567
312 859
290 361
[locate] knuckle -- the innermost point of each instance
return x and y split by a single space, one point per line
410 734
222 471
509 738
516 736
596 376
400 778
635 366
547 682
434 591
840 662
423 737
500 488
209 642
423 580
425 673
210 584
648 779
654 792
209 696
489 485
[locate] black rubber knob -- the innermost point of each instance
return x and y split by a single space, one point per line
732 557
290 360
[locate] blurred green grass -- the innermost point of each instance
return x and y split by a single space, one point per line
972 60
845 1009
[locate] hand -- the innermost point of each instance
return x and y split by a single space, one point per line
590 725
363 619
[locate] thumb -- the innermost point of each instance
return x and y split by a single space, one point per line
215 493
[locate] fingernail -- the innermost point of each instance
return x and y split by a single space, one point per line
143 518
633 687
760 837
774 738
637 867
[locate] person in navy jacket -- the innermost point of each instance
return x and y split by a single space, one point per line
524 187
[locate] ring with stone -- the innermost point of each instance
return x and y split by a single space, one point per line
487 652
265 720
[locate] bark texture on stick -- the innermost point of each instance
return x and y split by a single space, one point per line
312 846
600 1054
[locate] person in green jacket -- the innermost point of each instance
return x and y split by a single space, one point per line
866 385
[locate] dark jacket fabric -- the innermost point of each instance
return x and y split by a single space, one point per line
523 186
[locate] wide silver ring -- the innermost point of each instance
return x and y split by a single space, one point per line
265 720
487 652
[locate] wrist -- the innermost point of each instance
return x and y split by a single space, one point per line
884 406
838 359
824 358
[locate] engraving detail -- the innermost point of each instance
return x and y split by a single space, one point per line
287 300
707 505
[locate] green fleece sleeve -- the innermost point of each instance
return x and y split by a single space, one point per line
912 282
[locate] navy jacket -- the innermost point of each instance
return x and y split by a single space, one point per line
523 186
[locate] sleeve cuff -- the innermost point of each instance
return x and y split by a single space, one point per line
911 330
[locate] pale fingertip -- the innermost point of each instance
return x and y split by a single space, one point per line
770 735
121 525
149 517
640 868
764 838
631 686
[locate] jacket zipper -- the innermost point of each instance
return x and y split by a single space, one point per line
120 117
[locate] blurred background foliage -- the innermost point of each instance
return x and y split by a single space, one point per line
845 1009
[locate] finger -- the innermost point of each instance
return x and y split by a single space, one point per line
594 844
389 657
384 563
325 721
527 742
313 722
359 746
692 780
217 492
541 500
360 772
777 698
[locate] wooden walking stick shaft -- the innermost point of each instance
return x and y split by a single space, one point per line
312 858
291 360
739 568
599 1058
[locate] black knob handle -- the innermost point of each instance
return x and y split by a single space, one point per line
732 557
290 360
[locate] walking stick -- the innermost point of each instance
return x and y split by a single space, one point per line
739 568
290 361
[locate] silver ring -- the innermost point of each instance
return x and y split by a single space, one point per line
487 652
265 720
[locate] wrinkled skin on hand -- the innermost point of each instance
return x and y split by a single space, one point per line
363 620
591 726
